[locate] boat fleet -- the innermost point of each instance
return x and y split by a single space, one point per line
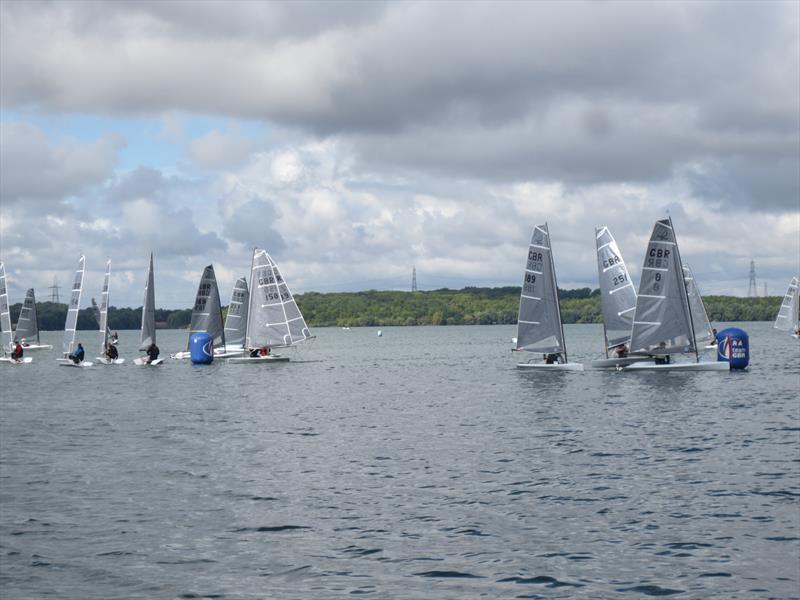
642 330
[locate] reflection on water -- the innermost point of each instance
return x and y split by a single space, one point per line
419 464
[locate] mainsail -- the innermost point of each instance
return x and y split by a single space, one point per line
273 319
74 305
788 318
662 323
617 294
28 323
236 321
207 311
5 315
702 327
102 322
148 335
539 326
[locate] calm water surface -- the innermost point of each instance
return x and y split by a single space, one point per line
416 465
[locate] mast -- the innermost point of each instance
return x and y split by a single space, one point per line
600 275
555 292
247 330
687 306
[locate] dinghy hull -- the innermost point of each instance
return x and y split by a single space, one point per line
551 367
701 366
258 359
613 363
12 361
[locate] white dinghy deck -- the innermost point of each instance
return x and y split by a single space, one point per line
614 363
695 366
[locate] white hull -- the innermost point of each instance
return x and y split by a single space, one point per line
107 361
259 359
25 360
142 362
79 365
551 367
701 366
613 363
218 353
796 336
37 347
710 347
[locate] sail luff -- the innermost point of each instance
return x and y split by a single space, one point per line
236 319
148 331
71 323
787 319
207 310
555 293
617 294
5 313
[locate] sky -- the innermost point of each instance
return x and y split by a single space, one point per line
357 140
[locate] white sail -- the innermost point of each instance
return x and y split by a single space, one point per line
617 294
103 321
207 311
702 327
27 322
5 314
236 320
788 319
148 334
539 326
662 322
71 323
273 319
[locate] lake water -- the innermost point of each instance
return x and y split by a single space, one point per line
420 464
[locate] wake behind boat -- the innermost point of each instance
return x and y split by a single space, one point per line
539 327
273 319
662 324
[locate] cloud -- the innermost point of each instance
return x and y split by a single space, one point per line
217 149
34 167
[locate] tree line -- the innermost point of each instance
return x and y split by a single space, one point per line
468 306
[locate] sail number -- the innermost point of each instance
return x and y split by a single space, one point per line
658 258
610 261
535 260
619 279
276 296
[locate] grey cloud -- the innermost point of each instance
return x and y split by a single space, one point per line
253 224
218 150
36 168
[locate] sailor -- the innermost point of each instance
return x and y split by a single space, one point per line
114 338
77 356
552 358
25 343
714 338
621 351
111 352
16 354
662 359
152 353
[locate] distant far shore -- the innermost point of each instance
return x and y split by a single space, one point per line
468 306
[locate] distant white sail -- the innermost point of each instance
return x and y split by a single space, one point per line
788 318
5 314
28 323
236 321
702 327
662 322
539 322
71 323
103 320
207 311
617 293
273 319
148 334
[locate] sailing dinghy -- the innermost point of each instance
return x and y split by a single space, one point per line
273 318
539 327
148 331
71 324
102 321
5 324
27 331
236 319
788 318
617 300
703 334
662 323
207 315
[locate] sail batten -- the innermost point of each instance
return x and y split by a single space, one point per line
539 319
74 306
662 322
617 293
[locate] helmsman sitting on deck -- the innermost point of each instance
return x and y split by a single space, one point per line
77 356
553 358
152 353
111 352
17 353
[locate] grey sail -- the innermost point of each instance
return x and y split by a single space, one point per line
5 314
102 311
662 322
28 323
702 327
207 311
71 324
539 323
787 318
148 335
617 294
273 320
236 321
